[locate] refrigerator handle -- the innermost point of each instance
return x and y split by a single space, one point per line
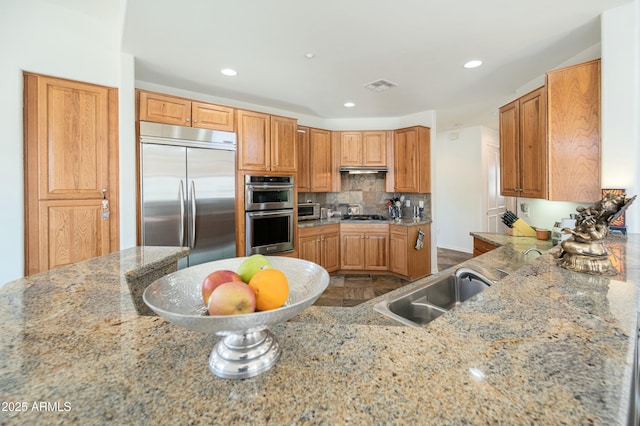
181 190
193 214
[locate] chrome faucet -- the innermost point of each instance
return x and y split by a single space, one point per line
529 250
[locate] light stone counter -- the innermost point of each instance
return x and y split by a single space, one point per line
333 221
542 346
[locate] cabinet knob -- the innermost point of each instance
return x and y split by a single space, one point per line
188 120
195 121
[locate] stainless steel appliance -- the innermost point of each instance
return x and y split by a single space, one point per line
269 215
268 192
309 211
188 190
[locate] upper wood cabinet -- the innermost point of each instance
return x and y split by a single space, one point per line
412 159
523 153
314 160
366 148
266 142
573 95
550 138
168 109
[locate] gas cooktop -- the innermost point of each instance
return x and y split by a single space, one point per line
364 217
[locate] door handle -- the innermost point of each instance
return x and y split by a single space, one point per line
181 192
193 214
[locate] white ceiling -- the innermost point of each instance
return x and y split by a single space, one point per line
419 44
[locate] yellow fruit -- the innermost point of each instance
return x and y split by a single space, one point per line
271 289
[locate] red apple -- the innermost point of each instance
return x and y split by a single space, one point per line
215 279
232 298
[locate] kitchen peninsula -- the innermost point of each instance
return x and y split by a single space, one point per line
542 346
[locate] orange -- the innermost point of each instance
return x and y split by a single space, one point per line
271 289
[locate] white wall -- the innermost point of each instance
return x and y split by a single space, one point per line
44 38
621 104
458 195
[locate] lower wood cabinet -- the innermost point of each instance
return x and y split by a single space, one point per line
482 247
405 260
364 247
321 245
368 247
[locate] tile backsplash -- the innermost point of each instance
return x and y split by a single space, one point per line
367 191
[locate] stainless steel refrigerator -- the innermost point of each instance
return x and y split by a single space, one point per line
188 190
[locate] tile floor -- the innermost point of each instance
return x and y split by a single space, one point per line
352 289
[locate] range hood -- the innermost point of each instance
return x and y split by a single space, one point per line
362 169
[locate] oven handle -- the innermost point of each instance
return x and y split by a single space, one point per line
274 186
264 213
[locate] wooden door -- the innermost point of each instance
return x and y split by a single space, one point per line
376 251
509 149
254 141
350 149
284 151
574 133
533 144
398 262
304 161
406 160
210 116
71 157
309 248
352 250
320 163
374 148
331 251
164 109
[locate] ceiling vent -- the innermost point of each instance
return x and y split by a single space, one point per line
380 85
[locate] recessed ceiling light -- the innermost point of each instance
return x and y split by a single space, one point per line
349 104
473 64
309 55
229 72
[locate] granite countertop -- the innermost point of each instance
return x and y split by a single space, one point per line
402 222
542 346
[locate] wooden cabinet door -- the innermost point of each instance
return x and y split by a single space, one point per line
374 148
164 109
211 116
533 144
510 149
331 251
376 251
71 156
398 262
284 151
406 160
350 149
309 248
304 161
573 95
320 160
254 141
352 250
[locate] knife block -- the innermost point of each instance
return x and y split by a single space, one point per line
521 229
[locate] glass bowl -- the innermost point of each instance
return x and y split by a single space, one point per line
248 347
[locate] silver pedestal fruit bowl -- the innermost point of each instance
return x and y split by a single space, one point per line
247 347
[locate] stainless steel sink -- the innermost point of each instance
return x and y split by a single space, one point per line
427 303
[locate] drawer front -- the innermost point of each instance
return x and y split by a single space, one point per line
481 247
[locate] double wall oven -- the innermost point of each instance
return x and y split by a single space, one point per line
269 219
